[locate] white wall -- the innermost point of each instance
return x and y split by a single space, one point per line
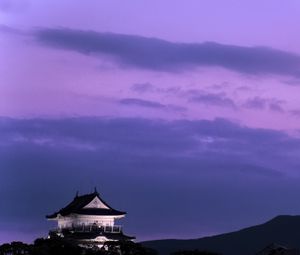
96 203
79 220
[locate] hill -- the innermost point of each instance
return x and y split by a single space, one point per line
284 230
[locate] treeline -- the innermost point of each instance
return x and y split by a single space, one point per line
62 247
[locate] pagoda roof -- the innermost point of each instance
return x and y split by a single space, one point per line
79 206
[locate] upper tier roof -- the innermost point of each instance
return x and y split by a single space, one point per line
83 205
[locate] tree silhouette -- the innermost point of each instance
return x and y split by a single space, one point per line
60 246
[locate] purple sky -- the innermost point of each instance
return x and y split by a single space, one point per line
186 114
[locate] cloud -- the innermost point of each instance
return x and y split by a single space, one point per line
292 82
182 136
193 95
160 55
191 168
151 104
256 103
259 103
276 107
295 112
143 87
141 102
11 30
219 86
206 98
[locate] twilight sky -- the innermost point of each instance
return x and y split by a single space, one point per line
185 114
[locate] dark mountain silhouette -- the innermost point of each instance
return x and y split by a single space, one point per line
283 230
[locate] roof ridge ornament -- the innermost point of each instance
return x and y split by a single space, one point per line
96 191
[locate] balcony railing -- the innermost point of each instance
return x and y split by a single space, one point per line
92 228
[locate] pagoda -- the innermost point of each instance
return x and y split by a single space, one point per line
88 221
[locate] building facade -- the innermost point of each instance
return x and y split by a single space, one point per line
88 221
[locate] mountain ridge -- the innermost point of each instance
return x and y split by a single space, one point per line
282 229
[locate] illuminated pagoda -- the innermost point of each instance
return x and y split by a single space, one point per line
88 221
